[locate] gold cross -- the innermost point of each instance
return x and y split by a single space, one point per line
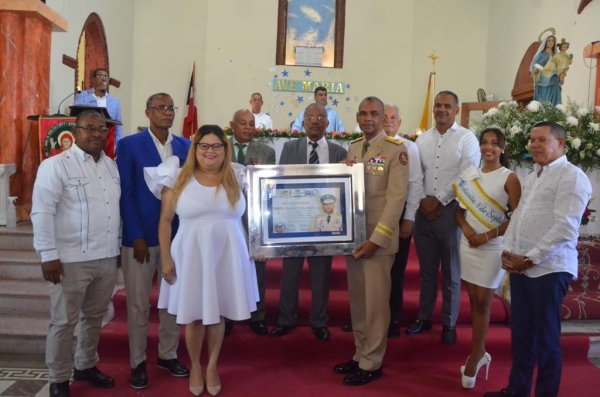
433 58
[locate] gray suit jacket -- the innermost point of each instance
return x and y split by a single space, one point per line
295 152
265 153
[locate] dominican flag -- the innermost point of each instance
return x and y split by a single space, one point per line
190 122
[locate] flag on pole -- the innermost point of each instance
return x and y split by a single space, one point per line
426 115
190 122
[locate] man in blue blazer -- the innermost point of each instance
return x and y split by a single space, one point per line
140 253
98 96
298 151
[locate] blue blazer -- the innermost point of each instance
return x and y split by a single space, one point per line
112 105
140 210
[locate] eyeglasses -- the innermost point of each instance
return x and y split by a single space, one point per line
217 147
92 129
320 119
163 108
103 76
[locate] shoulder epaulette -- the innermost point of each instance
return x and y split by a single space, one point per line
394 140
357 139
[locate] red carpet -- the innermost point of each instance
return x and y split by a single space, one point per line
299 365
583 297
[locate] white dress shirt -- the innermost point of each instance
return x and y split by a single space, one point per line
100 101
545 225
415 179
165 151
322 150
444 157
75 211
262 120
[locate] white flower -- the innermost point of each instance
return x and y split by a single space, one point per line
582 112
513 104
594 127
502 104
598 152
492 112
533 106
576 143
589 146
528 146
572 121
581 155
562 108
538 66
514 130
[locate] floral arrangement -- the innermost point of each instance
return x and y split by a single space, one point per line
267 134
587 214
582 125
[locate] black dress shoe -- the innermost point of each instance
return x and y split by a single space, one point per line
362 377
394 330
60 389
139 378
321 333
418 326
228 326
346 368
259 328
94 377
449 335
347 328
281 330
174 367
504 393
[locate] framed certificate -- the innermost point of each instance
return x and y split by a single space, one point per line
305 210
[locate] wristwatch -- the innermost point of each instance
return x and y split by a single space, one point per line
529 262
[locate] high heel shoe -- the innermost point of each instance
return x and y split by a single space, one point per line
468 382
213 390
197 390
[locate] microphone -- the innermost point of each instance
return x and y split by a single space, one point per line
58 113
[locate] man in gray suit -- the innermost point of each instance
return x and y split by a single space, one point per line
247 151
314 149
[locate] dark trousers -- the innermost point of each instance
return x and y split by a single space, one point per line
397 274
535 332
259 314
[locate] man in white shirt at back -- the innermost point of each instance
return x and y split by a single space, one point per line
446 150
261 120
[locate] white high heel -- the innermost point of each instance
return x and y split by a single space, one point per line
468 382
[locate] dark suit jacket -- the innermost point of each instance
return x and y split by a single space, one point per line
295 152
265 153
140 210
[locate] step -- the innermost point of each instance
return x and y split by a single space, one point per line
20 265
19 238
24 297
23 334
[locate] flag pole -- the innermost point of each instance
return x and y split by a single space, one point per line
433 58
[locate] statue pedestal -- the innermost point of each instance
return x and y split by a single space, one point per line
25 38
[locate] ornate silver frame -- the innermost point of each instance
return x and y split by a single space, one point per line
277 185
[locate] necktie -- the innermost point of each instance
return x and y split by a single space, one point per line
328 218
365 148
240 153
314 157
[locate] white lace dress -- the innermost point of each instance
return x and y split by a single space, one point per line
215 275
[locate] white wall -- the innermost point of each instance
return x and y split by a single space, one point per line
515 24
117 17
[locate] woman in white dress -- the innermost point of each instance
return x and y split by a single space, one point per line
207 271
483 196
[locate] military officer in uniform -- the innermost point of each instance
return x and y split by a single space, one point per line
369 282
329 221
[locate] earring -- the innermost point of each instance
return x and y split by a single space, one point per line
503 152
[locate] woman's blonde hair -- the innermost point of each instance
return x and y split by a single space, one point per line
228 179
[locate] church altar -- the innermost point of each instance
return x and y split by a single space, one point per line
592 229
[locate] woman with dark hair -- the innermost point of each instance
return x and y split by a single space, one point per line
544 72
483 196
207 271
